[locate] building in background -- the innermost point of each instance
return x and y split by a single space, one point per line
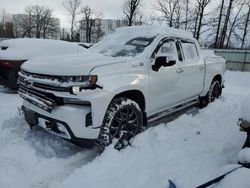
92 33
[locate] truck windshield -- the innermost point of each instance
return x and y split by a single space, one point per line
129 48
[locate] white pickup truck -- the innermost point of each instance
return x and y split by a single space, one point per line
130 78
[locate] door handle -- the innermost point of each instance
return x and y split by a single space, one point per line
179 70
201 67
137 64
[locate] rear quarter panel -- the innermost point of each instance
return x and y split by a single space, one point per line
214 66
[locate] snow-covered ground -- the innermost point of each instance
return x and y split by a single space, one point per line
189 150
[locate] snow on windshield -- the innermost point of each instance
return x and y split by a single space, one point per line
121 45
131 41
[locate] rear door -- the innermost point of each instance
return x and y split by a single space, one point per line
194 70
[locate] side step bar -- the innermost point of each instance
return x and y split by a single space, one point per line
169 111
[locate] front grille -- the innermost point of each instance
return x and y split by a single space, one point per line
39 81
31 90
42 95
45 92
40 76
53 88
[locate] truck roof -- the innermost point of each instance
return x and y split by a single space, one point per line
149 31
115 42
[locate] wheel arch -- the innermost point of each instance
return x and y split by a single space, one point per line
218 78
135 95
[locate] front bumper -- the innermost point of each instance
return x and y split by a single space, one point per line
67 121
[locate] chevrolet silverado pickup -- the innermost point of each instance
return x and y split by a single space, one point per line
130 78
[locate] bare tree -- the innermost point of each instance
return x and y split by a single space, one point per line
49 25
130 9
186 14
201 5
42 20
6 25
73 7
25 22
171 10
1 30
9 33
246 26
38 14
37 22
230 26
91 24
219 24
239 4
225 26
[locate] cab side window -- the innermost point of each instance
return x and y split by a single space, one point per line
190 52
168 49
165 55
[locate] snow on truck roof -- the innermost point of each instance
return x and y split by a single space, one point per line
26 48
149 31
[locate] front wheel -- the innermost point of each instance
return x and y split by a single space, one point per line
214 92
123 120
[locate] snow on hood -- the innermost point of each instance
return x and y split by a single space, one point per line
70 65
26 48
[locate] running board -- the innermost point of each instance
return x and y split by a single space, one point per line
169 111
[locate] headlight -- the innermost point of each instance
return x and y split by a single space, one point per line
74 78
87 82
93 79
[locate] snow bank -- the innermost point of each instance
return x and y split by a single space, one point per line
32 158
239 85
237 179
8 104
244 155
246 108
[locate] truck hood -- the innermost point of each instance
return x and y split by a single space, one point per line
74 64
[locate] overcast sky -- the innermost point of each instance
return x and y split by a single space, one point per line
109 8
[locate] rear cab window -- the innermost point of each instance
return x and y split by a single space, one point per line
190 51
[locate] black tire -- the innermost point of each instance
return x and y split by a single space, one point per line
123 120
214 92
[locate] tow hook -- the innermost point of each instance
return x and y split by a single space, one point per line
20 111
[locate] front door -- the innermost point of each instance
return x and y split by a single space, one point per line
166 84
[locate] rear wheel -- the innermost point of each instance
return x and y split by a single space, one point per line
122 121
214 92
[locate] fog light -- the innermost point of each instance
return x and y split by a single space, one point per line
76 89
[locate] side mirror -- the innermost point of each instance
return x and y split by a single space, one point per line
163 61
